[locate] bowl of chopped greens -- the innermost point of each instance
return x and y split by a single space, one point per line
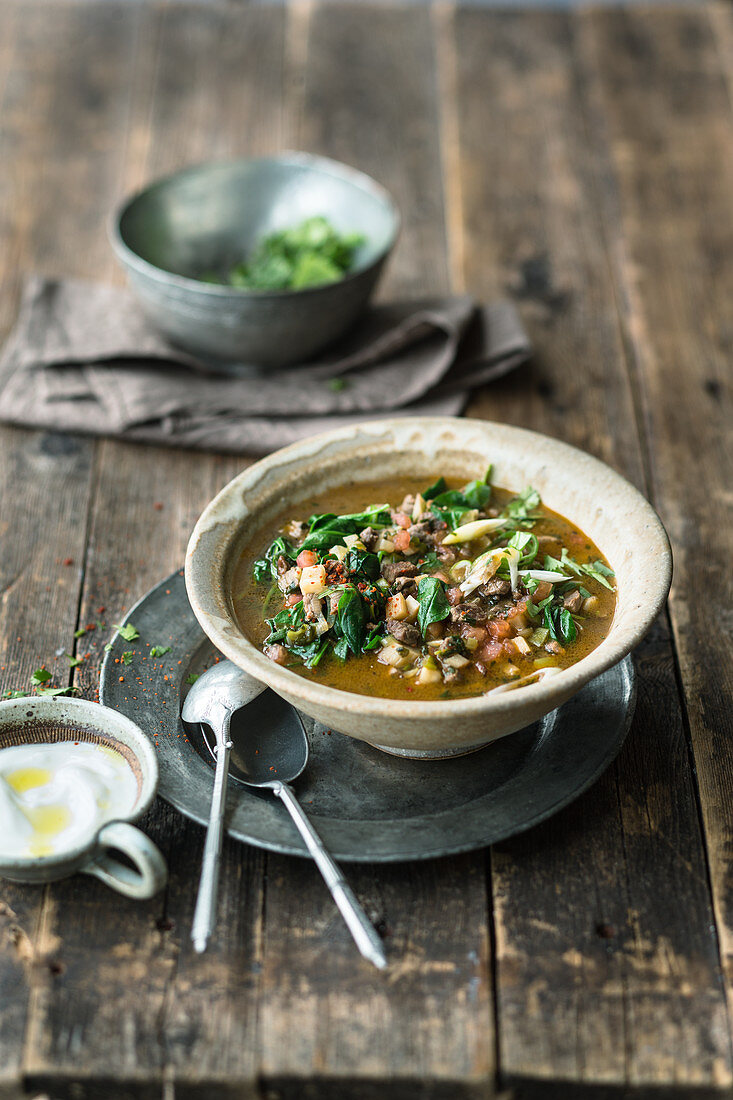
263 261
427 584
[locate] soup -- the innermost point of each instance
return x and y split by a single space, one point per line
434 592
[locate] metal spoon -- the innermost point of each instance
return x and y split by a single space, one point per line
212 700
272 755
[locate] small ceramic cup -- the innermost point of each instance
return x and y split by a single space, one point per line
34 720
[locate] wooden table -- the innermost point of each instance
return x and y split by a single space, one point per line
583 163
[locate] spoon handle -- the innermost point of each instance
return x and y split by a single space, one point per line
203 917
361 928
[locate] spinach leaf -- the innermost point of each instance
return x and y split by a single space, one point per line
434 606
453 498
430 562
312 653
266 568
435 490
477 494
328 529
363 561
559 622
374 640
341 648
350 618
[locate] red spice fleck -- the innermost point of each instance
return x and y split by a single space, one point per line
68 561
101 610
158 505
167 591
122 679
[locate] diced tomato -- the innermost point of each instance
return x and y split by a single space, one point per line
402 541
401 519
499 628
292 599
305 558
454 595
491 651
477 632
440 577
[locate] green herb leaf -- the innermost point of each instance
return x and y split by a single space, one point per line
128 632
341 648
41 676
338 384
73 661
127 657
477 494
435 490
560 624
434 606
364 562
192 678
159 650
14 694
68 690
80 633
351 620
521 508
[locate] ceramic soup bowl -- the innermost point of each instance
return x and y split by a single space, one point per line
612 512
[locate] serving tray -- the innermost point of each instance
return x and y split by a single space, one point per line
367 806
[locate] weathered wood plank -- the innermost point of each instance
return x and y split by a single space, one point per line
206 85
600 980
674 165
425 1028
45 480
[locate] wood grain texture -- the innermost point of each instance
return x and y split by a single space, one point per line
192 1022
581 164
327 1018
598 979
674 166
45 479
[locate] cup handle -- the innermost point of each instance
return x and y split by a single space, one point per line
150 872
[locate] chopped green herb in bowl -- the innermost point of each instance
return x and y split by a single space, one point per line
312 253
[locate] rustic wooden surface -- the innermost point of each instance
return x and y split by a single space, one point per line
581 162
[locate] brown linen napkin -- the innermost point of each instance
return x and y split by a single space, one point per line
84 358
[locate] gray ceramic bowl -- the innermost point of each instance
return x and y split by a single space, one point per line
209 217
619 520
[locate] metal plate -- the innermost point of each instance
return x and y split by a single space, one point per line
367 806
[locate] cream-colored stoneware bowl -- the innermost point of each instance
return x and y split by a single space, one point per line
617 518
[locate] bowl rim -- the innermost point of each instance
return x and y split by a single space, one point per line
564 684
128 257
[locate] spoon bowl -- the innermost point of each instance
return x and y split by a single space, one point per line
267 750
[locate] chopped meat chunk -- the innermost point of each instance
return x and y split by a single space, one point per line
369 537
406 585
312 606
468 613
403 632
277 653
496 586
573 601
391 570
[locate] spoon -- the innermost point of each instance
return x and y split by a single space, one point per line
212 700
273 754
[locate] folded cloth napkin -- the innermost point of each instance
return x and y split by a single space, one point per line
84 358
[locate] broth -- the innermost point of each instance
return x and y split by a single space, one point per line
493 635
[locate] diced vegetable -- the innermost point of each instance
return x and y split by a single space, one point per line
468 532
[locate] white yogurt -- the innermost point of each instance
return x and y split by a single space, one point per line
54 797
